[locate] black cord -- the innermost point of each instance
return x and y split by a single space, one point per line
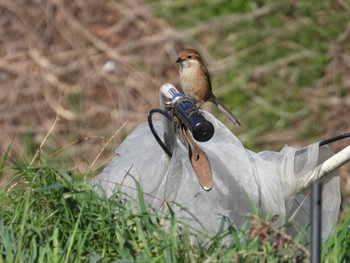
150 123
336 138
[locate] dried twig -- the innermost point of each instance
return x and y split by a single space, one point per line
287 238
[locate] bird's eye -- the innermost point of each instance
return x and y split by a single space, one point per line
189 56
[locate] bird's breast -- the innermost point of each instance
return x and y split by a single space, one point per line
194 84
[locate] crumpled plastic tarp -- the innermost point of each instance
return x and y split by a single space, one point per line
271 180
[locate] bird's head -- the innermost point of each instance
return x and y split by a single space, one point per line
188 58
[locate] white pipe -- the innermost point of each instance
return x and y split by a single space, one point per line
166 94
326 167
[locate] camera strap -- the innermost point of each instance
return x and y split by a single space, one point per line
198 158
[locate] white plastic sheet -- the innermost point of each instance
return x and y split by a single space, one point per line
270 179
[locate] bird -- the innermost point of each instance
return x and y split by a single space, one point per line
195 81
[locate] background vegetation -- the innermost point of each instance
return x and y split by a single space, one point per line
282 66
48 215
74 72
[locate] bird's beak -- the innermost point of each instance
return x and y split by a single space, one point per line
179 60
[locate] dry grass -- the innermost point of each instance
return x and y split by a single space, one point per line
95 64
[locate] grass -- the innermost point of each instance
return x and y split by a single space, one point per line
337 246
50 215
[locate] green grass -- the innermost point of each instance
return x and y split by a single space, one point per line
337 247
50 215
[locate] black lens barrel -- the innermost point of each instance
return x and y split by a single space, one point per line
201 129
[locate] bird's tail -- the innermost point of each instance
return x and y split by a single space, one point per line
226 111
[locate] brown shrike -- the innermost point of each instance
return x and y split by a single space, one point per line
195 81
